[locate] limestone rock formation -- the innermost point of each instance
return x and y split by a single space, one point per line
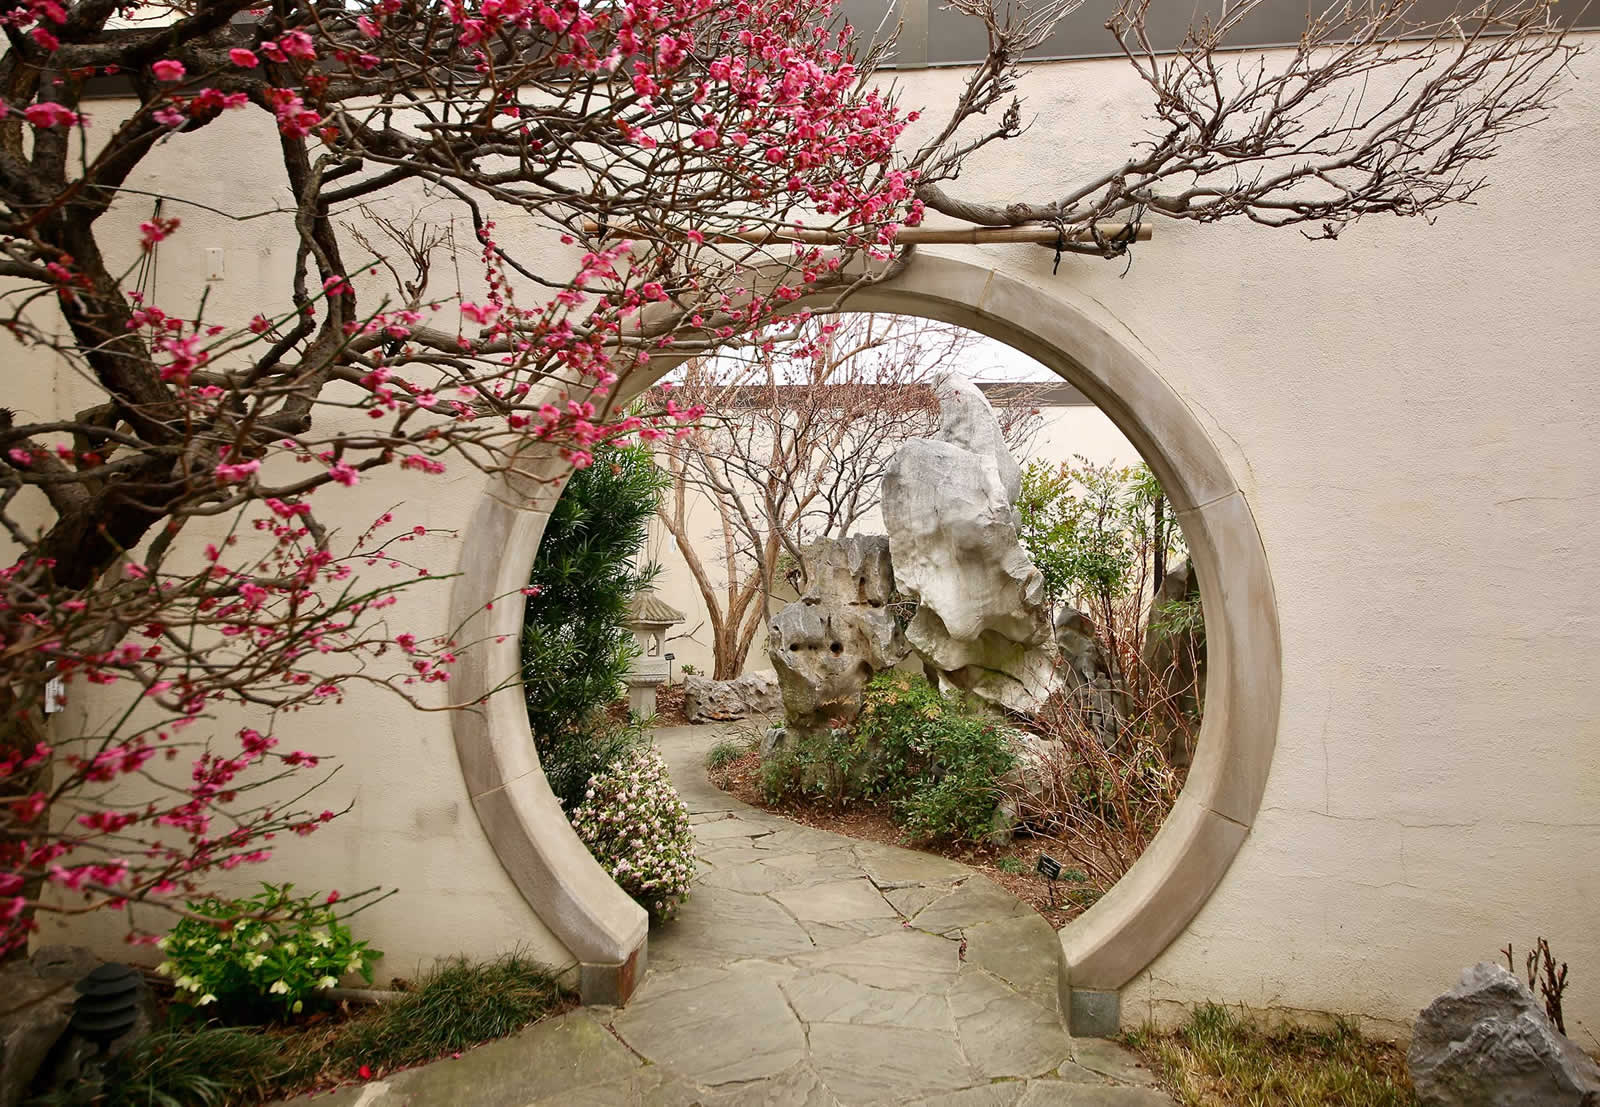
1487 1043
1085 675
711 701
827 645
982 623
1175 656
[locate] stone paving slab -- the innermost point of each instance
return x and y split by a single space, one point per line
806 970
554 1059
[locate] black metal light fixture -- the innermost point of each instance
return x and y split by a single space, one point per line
108 1003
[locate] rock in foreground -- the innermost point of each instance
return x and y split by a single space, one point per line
1487 1043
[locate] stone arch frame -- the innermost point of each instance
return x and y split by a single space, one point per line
1131 925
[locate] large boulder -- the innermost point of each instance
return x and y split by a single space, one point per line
828 645
1174 654
35 1010
1085 676
982 623
1487 1043
1034 775
715 701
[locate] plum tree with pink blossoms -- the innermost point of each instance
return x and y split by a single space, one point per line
174 542
176 537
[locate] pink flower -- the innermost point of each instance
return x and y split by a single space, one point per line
245 58
297 44
50 114
154 230
344 474
236 473
168 69
333 896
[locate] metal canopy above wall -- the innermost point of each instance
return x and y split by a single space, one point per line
933 34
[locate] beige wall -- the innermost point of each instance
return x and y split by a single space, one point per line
1410 412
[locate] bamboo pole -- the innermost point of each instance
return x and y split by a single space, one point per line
914 236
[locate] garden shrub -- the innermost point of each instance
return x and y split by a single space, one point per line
272 951
726 751
638 829
937 764
576 646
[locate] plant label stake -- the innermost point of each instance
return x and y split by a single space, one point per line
1049 868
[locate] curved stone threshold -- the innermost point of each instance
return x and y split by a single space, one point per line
1125 931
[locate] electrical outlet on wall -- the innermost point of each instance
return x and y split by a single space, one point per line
213 263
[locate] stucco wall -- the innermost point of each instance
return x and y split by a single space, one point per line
1410 412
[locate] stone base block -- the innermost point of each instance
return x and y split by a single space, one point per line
1094 1014
612 985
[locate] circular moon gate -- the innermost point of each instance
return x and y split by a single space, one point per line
1129 927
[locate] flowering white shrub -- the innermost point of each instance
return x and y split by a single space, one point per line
272 950
638 829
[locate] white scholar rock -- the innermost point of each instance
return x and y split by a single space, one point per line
982 623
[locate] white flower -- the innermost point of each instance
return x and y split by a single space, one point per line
165 968
327 982
279 989
205 999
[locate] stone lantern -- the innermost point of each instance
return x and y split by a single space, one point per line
649 616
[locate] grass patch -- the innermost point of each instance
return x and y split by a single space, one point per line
459 1004
727 751
176 1068
1221 1058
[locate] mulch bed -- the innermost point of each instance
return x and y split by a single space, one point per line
669 707
741 778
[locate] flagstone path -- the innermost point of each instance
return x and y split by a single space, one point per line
812 970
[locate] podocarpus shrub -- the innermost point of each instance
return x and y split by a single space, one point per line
638 829
936 763
576 646
270 952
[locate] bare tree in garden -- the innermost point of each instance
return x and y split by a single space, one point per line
177 538
795 451
1379 108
